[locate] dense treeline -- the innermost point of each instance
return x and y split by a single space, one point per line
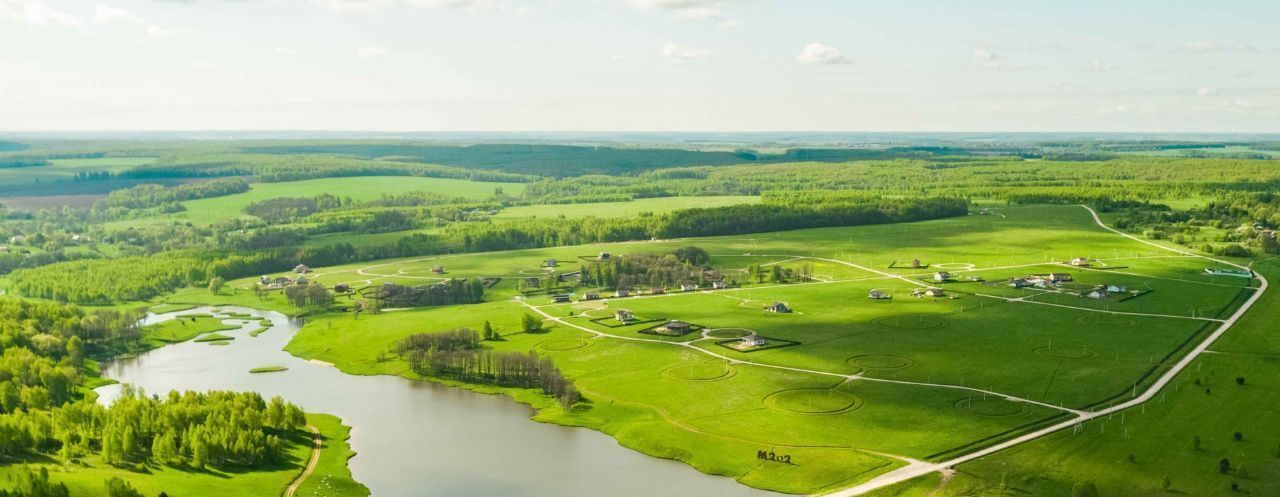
449 292
104 281
631 270
273 168
151 195
456 354
201 430
757 218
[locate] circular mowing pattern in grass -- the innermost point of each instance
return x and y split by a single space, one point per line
954 265
992 407
880 361
1103 319
702 371
813 402
563 344
730 333
1209 310
913 321
754 303
1066 352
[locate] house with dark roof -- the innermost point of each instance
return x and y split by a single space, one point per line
779 307
675 327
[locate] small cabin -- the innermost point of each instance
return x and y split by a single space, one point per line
779 307
676 327
929 292
301 269
1117 289
941 276
604 256
532 282
878 295
622 293
561 298
719 285
1019 283
1079 262
341 288
1098 293
752 341
688 287
551 263
437 269
591 296
657 290
265 280
623 316
1058 277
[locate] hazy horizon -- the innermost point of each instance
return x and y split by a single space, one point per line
639 65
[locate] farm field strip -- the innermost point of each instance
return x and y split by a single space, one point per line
847 377
908 473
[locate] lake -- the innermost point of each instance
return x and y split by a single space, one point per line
416 438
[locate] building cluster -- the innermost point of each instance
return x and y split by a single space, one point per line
279 282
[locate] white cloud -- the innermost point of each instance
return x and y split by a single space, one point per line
676 52
105 13
1217 47
1100 66
203 64
37 13
373 5
692 10
282 51
817 53
985 57
1206 91
158 32
372 51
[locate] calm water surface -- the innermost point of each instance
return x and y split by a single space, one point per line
419 439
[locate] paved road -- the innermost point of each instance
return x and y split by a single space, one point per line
910 472
311 463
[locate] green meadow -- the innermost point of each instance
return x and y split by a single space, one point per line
66 169
1132 453
852 387
211 210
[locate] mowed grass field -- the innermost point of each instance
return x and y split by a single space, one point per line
623 209
212 210
88 477
867 385
1132 453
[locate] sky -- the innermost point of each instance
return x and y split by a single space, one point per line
640 65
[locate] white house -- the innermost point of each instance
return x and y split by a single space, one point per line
752 341
941 276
